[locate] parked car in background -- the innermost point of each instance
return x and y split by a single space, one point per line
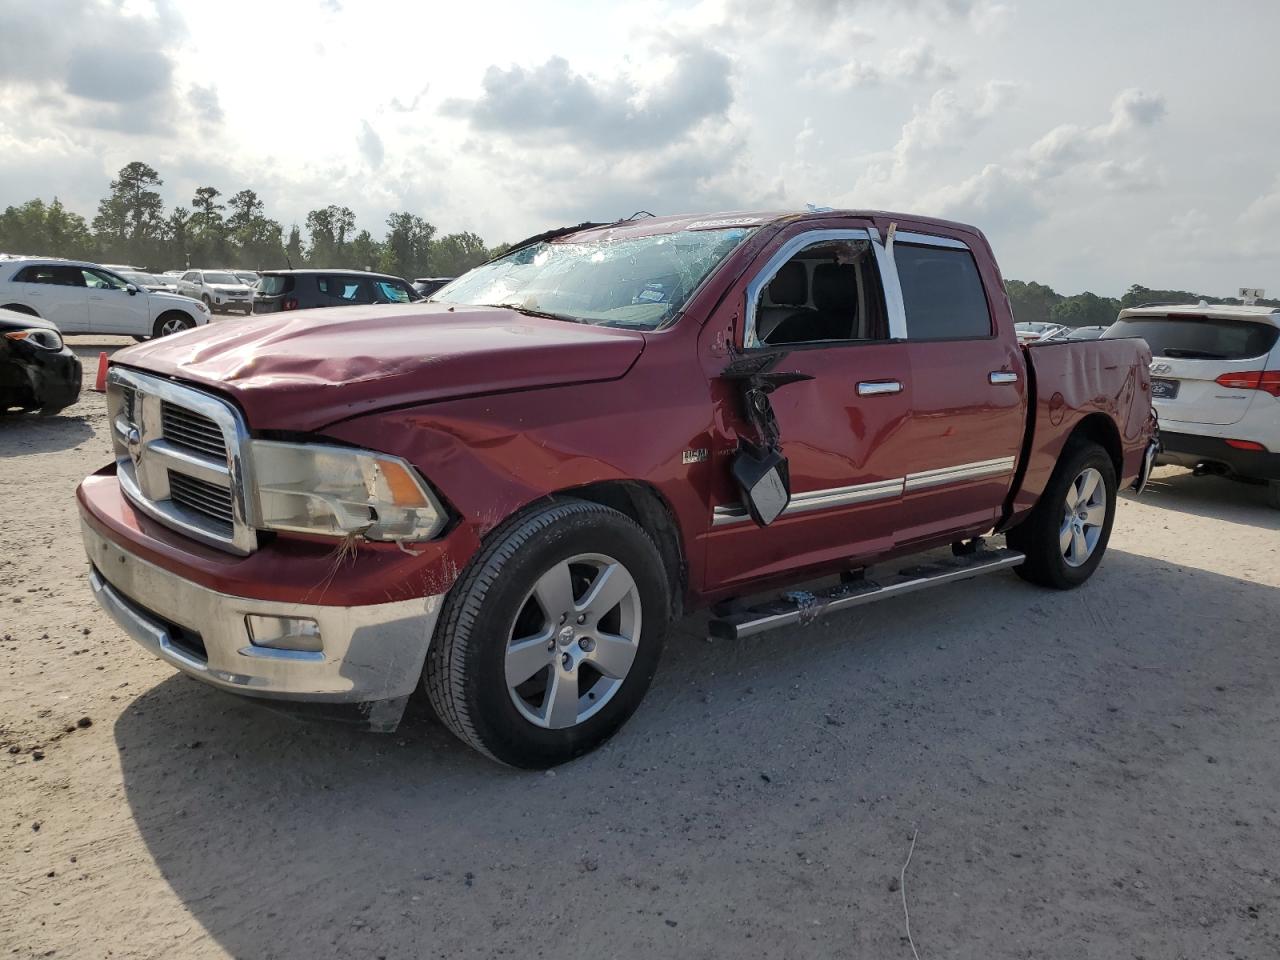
220 290
426 286
1081 333
1032 332
304 289
84 297
248 277
506 496
1215 382
37 370
149 281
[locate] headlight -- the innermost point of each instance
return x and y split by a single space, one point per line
315 488
38 336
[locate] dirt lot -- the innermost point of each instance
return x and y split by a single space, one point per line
1094 774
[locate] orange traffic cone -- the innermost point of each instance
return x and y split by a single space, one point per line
100 384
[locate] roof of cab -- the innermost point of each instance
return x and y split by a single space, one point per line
743 218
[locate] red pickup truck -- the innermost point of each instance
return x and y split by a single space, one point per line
507 494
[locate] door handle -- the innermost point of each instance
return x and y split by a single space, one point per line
1002 376
878 388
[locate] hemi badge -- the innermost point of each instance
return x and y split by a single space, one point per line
694 456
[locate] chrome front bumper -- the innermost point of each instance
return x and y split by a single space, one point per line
370 655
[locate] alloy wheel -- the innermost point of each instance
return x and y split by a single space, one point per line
573 641
1083 515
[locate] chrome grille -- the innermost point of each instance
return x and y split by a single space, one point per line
186 428
205 498
179 458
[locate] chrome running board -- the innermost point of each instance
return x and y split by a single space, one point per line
803 607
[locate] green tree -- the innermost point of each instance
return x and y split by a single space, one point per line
256 240
457 253
1031 302
129 221
406 252
208 228
39 228
364 252
177 234
294 255
1085 310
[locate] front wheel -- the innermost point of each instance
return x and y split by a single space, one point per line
1066 534
172 323
548 642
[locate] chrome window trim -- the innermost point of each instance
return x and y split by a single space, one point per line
888 280
929 240
726 514
150 493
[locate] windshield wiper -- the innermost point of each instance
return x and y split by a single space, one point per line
530 312
1179 353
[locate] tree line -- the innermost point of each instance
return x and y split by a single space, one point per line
1037 303
219 230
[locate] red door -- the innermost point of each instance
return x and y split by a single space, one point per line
844 431
968 390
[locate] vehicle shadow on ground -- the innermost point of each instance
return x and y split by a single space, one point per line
23 434
764 793
1217 498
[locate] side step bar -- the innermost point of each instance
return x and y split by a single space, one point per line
802 607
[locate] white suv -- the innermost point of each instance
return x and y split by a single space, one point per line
1215 382
219 290
87 298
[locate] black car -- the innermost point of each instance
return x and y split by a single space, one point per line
37 371
429 285
303 289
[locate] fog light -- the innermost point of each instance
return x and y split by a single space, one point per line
283 633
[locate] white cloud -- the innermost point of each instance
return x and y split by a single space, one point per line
915 63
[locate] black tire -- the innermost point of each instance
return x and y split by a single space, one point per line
187 323
207 302
1039 535
20 308
465 673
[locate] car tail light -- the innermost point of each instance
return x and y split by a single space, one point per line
289 303
1268 380
1247 445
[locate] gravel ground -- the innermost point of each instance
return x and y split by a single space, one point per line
1092 774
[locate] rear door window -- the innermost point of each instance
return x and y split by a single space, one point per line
348 289
942 293
392 292
1198 338
270 285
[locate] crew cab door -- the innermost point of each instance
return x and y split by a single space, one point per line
969 391
813 298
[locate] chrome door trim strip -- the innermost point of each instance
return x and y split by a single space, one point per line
964 471
730 513
726 514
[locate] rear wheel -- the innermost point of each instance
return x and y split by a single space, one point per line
174 322
548 642
1066 534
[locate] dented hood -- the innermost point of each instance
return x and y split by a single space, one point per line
304 370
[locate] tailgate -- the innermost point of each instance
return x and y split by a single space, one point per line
1190 353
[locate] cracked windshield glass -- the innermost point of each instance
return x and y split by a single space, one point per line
638 282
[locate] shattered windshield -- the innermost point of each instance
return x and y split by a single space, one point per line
639 282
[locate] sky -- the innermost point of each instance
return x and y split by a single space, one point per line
1097 144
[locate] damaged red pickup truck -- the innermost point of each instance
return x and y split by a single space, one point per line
508 493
